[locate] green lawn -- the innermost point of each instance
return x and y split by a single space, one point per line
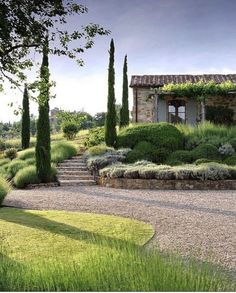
70 251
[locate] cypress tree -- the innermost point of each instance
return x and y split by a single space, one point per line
124 111
25 122
43 145
110 123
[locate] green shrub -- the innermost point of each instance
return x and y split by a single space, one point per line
220 115
207 151
179 156
27 154
162 135
28 175
4 189
62 151
134 156
2 145
14 167
4 162
96 136
10 153
70 129
99 150
145 150
231 160
233 143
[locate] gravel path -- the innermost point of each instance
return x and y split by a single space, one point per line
200 223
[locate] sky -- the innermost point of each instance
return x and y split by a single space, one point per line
159 37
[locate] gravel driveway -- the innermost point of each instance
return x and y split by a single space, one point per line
202 223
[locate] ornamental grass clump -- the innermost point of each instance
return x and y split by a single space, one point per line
14 166
99 150
27 154
62 151
28 175
4 189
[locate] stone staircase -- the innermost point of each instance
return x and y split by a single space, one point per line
74 172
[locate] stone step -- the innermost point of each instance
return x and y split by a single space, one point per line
72 172
74 161
71 168
74 177
73 165
77 182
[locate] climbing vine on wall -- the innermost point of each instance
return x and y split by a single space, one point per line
199 89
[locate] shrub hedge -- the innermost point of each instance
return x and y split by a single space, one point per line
207 151
231 160
182 156
95 136
62 151
162 135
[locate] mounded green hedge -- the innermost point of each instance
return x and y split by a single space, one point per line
181 156
206 151
231 160
145 150
162 135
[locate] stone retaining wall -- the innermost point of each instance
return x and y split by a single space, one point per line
167 184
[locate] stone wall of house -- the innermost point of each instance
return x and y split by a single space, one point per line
146 106
228 101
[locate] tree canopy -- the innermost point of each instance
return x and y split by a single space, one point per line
24 26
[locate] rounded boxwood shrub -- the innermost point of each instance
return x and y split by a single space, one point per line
231 160
147 151
162 135
134 156
14 167
233 143
207 151
4 189
181 156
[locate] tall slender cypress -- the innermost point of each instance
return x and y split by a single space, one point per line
124 111
43 145
110 123
25 121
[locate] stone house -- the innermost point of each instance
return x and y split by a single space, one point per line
148 107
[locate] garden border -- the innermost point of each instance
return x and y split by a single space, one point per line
126 183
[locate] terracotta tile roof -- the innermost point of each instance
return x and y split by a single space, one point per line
160 80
